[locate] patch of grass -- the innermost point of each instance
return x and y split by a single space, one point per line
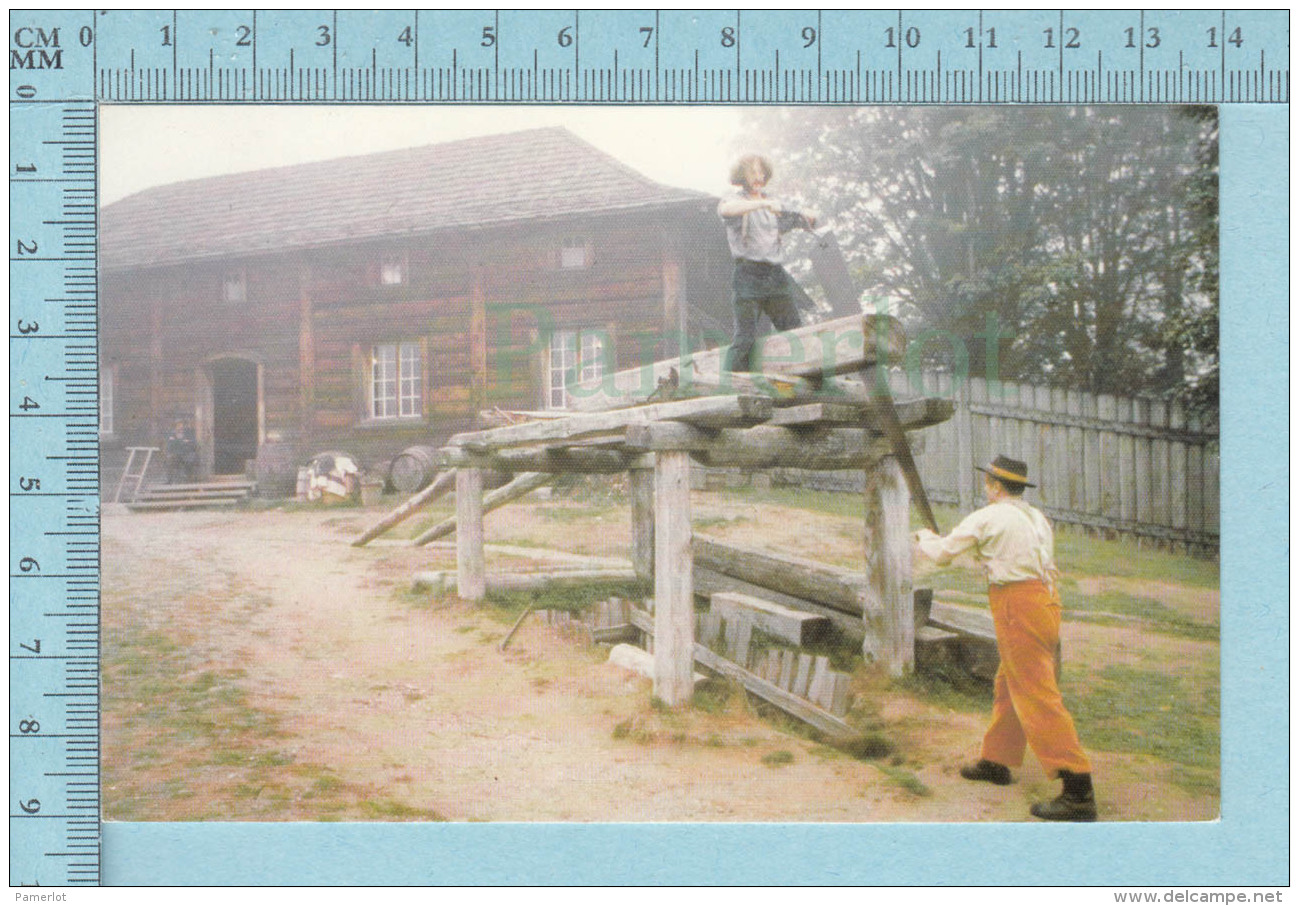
868 746
905 779
828 502
571 514
714 697
949 687
387 809
1171 717
778 758
707 522
573 597
1164 619
633 730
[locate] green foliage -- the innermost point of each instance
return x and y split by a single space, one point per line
1052 244
779 758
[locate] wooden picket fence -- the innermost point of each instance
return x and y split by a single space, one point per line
1126 465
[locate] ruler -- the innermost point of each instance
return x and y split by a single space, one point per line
64 64
54 497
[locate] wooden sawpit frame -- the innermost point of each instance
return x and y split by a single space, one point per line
656 443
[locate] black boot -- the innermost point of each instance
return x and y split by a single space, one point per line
983 769
1076 803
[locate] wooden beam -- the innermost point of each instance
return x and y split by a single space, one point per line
440 486
801 578
674 610
577 459
813 414
470 562
798 627
890 627
521 485
815 351
712 411
762 446
443 582
708 582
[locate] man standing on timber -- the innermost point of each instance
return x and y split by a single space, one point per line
1014 543
755 225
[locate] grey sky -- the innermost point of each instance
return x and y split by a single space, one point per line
144 146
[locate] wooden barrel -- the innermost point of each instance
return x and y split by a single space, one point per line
413 469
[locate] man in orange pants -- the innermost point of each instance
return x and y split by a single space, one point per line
1014 543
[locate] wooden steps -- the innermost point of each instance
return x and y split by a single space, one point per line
200 495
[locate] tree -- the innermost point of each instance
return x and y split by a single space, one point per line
1066 229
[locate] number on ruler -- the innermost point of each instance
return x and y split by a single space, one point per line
245 36
809 36
911 36
28 168
1234 38
648 32
29 726
31 806
25 249
35 646
1072 38
1152 37
31 484
405 37
29 564
24 327
325 37
28 404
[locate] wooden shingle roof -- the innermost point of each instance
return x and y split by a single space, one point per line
479 182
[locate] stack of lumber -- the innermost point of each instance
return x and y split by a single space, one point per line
807 690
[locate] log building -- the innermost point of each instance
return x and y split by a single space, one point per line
370 303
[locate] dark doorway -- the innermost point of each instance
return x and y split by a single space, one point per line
234 415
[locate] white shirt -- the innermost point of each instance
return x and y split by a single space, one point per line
756 236
1012 540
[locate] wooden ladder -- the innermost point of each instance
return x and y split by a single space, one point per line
127 474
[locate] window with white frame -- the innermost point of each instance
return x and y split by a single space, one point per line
234 286
396 381
107 380
575 356
392 269
573 254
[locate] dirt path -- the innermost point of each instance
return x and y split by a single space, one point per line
411 704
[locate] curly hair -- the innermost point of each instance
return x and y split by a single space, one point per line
740 171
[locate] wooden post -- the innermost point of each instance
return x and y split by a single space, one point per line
470 564
890 631
642 522
965 490
674 612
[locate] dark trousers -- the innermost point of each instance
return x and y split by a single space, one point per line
759 288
